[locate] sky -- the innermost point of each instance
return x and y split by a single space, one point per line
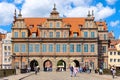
105 10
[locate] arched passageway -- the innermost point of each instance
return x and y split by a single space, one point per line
33 64
47 65
61 65
77 64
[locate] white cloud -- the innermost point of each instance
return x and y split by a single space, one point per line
42 8
111 2
3 31
6 13
114 23
18 1
32 8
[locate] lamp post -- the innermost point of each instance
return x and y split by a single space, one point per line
21 59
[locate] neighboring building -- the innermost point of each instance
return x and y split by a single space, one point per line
56 42
111 36
2 36
7 52
114 53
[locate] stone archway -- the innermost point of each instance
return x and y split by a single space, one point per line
47 65
77 64
33 63
61 65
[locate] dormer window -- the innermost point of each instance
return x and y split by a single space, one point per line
31 26
39 26
75 34
33 35
112 46
80 26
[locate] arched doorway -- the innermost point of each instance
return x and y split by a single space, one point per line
77 64
61 65
33 63
47 65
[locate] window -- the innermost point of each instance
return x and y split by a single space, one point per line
118 53
33 35
50 47
78 49
64 48
37 48
57 24
5 53
85 34
44 34
104 49
118 60
71 47
92 48
51 25
57 47
30 47
16 34
114 60
16 47
75 34
51 34
9 48
44 48
5 60
105 37
57 34
23 48
23 34
92 34
111 60
114 53
85 47
5 47
65 34
110 53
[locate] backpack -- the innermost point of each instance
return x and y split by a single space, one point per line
71 68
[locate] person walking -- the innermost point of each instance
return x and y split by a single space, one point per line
36 69
71 71
113 73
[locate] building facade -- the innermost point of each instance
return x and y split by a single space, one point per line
2 36
7 52
114 53
56 42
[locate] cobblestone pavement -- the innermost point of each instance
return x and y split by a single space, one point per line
66 76
60 76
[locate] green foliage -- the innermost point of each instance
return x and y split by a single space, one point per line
60 63
7 72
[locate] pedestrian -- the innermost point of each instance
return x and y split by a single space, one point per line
113 73
75 71
36 69
71 71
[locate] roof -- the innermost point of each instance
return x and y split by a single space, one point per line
102 24
72 21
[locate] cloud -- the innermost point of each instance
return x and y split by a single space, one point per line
18 1
114 23
70 8
42 8
3 31
111 2
6 13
